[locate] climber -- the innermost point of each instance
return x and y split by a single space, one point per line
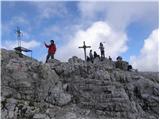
96 55
119 58
129 67
110 58
119 63
91 56
51 50
101 47
88 59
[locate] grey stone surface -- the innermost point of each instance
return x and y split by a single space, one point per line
75 89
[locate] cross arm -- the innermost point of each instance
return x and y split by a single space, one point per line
80 47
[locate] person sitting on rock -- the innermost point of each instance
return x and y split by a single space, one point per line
101 50
91 56
119 58
119 63
88 59
129 67
51 50
96 55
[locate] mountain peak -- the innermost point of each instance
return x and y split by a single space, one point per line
76 89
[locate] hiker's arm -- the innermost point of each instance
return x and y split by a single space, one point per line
46 45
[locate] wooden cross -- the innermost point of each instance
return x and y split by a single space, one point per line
84 47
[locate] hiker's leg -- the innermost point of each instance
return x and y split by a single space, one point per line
103 54
52 56
92 60
47 57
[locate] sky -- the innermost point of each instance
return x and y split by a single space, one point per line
127 29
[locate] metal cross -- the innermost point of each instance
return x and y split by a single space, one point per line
84 47
19 34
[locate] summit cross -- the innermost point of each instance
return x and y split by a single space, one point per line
84 47
19 35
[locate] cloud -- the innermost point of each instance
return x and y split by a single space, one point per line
91 9
27 44
148 58
120 14
114 42
18 20
8 27
50 9
115 18
51 30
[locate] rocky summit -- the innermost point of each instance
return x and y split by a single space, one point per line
75 89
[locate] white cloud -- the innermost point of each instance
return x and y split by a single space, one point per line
148 58
50 9
90 9
11 26
114 42
27 44
19 20
48 31
120 14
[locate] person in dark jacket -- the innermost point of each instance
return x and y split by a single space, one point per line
101 47
129 67
91 56
88 59
110 58
96 55
51 50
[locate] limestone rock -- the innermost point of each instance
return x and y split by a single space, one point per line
40 116
76 89
28 79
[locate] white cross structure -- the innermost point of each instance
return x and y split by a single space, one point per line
20 49
19 34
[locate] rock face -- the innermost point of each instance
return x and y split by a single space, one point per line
29 80
75 89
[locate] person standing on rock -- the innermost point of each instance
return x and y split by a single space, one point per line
51 50
101 50
91 56
110 58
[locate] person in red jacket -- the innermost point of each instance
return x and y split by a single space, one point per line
51 50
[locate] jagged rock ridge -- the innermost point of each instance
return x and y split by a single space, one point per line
75 89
